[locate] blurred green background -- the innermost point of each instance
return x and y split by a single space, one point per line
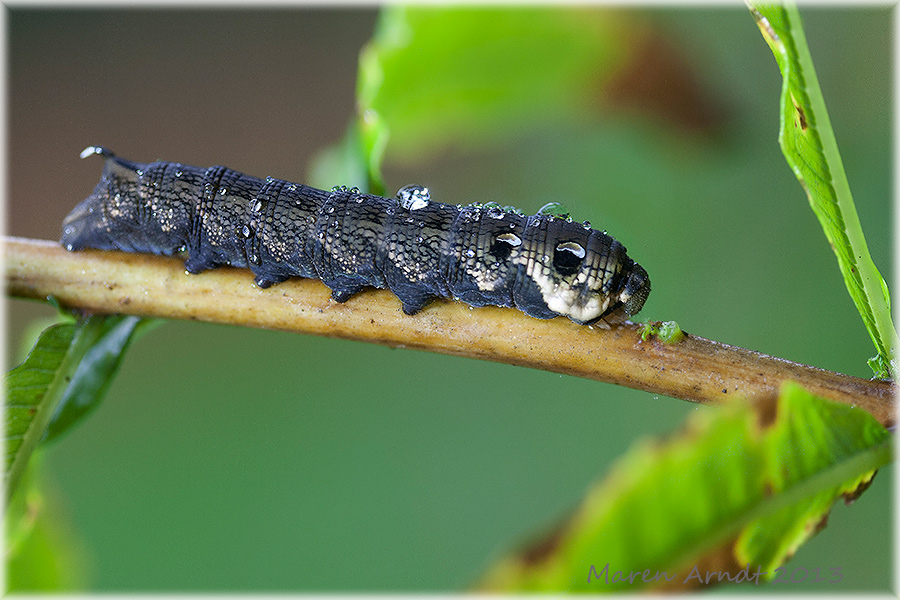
226 459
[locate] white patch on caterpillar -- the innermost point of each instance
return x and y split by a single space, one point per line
565 297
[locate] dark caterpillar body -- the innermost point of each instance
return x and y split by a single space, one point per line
419 249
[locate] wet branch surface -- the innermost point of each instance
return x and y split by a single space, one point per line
695 369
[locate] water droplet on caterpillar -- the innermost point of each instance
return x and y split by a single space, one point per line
413 197
554 209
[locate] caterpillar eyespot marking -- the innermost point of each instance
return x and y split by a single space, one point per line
545 265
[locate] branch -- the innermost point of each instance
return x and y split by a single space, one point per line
694 369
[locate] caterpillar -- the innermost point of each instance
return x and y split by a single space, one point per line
544 265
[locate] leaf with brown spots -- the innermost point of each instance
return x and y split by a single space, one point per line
810 147
741 487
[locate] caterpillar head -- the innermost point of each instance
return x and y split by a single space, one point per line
580 273
635 291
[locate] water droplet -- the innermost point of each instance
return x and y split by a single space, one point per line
257 206
223 191
253 258
554 209
576 249
292 187
70 247
413 197
246 231
586 224
470 253
140 172
510 238
354 190
178 174
329 209
270 179
494 210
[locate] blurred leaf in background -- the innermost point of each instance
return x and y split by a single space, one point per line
432 78
43 553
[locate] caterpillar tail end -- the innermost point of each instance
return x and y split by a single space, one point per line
86 226
91 150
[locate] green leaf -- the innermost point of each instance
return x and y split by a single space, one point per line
344 164
33 390
809 145
433 76
741 487
65 374
97 369
815 445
